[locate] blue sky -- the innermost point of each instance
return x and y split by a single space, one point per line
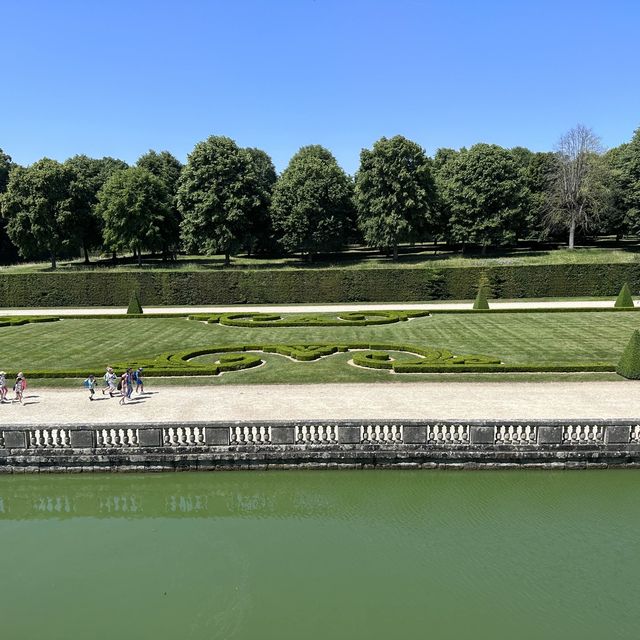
118 78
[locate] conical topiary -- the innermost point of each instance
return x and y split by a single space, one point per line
629 363
481 299
624 299
134 304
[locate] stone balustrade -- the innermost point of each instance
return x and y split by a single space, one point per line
285 444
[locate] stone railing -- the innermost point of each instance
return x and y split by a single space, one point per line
320 443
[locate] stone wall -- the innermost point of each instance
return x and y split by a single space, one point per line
335 444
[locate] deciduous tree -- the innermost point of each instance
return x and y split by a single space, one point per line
168 168
89 174
216 194
37 206
134 204
578 191
483 192
312 203
395 193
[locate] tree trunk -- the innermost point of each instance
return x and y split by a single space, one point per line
395 253
139 257
572 232
53 260
483 249
86 253
114 258
227 259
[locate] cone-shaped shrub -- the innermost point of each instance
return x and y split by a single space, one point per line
134 304
629 364
481 299
624 299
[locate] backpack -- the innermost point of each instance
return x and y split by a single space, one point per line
87 383
120 384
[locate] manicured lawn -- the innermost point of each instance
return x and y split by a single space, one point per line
515 338
363 258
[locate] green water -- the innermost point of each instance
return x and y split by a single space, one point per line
326 555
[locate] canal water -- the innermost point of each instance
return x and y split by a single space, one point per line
306 555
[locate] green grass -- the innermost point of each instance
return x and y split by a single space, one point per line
363 258
544 338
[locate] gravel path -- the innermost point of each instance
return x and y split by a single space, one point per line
314 308
439 400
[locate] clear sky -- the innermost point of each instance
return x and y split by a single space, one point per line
114 77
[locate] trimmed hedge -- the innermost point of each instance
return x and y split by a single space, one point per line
16 321
134 308
373 356
629 363
480 303
624 299
346 319
282 286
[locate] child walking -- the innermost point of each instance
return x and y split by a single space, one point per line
137 378
19 387
3 386
110 382
90 383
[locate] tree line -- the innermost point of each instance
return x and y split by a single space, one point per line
228 200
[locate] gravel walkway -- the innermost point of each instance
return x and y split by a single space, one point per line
439 400
314 308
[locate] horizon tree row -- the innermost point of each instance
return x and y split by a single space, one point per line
227 199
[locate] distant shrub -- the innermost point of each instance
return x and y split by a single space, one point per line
480 302
624 299
629 363
134 308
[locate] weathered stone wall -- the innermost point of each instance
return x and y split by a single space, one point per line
283 445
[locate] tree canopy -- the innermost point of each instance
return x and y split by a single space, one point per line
483 191
217 193
37 206
134 205
395 193
167 168
312 203
88 176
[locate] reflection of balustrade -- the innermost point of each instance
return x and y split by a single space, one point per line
516 434
49 438
183 436
448 434
316 434
250 435
582 434
120 504
381 434
634 434
117 437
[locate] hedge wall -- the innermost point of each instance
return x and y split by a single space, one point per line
237 286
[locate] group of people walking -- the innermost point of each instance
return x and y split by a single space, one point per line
18 388
117 385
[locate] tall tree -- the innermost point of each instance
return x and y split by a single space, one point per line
89 174
483 191
134 204
395 193
37 205
260 234
8 252
538 170
312 203
216 193
578 186
168 168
